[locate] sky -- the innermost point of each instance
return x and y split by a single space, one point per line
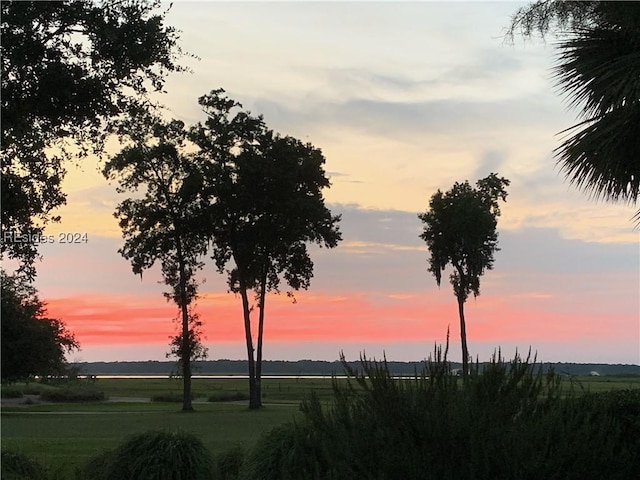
403 99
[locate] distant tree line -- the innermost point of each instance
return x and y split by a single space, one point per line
318 367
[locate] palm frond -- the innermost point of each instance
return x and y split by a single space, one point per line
599 69
603 158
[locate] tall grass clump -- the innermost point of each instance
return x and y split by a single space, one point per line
154 455
17 466
229 463
507 420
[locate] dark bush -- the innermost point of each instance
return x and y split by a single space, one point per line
36 388
99 467
229 463
74 393
224 396
171 397
154 455
509 421
11 392
17 466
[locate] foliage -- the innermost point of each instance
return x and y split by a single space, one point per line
229 463
170 397
192 347
266 206
11 392
17 466
225 396
74 394
599 70
164 222
32 344
558 16
460 230
155 455
509 421
70 69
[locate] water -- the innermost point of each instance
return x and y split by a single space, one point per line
195 377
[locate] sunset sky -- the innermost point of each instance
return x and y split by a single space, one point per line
403 99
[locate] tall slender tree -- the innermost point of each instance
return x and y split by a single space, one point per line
460 230
267 206
163 224
599 70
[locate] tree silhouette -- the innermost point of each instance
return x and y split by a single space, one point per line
599 70
267 205
32 344
163 224
460 230
70 69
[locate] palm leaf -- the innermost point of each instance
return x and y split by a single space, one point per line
599 70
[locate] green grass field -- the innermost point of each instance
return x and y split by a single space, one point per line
273 390
65 436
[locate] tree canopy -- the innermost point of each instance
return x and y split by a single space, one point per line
598 69
32 343
266 206
460 231
69 70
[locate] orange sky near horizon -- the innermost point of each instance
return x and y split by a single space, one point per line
360 317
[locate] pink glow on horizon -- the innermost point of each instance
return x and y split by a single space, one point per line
358 317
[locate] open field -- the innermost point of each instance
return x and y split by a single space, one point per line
294 389
65 436
601 384
274 390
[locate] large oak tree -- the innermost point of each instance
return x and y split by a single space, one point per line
266 206
70 69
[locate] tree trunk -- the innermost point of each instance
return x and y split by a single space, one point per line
263 293
463 338
186 362
254 401
186 344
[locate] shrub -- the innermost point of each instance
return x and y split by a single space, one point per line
224 396
99 467
508 421
154 455
11 392
17 466
36 388
229 463
74 393
171 397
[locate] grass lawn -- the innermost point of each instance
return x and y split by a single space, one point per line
601 384
67 436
